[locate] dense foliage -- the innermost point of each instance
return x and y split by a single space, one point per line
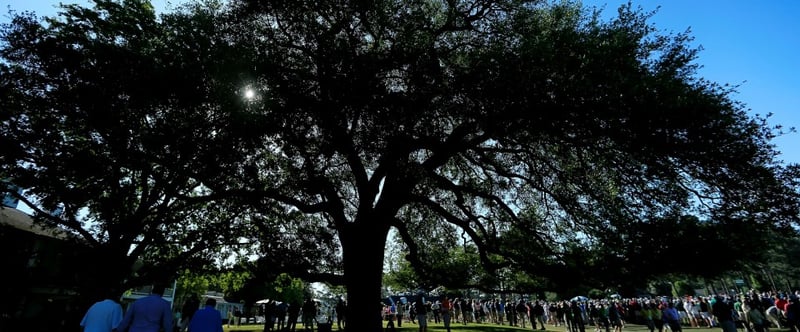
541 140
97 110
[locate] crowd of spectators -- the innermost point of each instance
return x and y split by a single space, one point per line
751 311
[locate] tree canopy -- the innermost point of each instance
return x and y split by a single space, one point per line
93 111
551 141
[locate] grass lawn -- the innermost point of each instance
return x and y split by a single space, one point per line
433 327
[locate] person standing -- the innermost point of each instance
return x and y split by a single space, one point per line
446 307
705 313
309 313
294 313
341 308
435 310
552 308
208 319
602 315
230 317
281 311
237 316
780 302
422 313
578 325
650 314
389 313
102 316
689 308
566 317
270 309
401 311
723 311
501 310
189 308
754 316
792 314
671 317
522 312
615 317
537 315
148 314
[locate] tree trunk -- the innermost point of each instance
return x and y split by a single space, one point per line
362 254
104 275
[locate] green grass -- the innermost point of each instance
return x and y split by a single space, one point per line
433 327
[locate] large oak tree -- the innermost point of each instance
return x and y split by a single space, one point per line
534 131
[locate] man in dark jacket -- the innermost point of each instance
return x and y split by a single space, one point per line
792 314
537 313
723 310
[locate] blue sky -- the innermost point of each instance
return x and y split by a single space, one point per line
754 44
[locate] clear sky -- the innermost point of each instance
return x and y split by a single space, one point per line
754 44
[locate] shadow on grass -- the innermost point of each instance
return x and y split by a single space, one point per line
408 328
433 327
468 328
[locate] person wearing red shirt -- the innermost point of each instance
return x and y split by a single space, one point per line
780 303
446 307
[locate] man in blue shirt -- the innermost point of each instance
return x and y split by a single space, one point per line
208 319
148 314
672 317
103 316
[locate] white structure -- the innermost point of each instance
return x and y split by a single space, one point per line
135 294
